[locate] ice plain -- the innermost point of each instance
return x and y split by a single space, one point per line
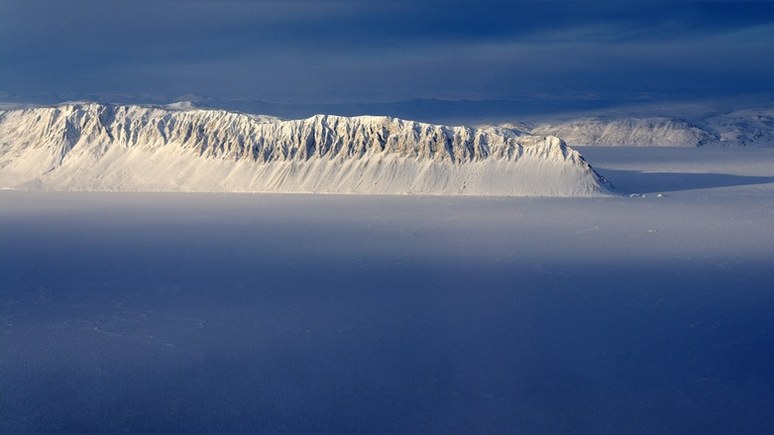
323 313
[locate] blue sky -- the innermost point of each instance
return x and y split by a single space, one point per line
420 58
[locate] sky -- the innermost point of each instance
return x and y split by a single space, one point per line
426 59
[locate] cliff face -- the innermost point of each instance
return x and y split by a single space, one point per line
93 146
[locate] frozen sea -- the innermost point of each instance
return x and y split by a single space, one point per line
296 313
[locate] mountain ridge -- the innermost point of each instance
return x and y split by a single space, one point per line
93 146
747 127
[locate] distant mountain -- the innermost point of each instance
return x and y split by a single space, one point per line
739 128
90 146
749 127
630 131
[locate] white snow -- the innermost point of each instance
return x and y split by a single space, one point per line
89 146
182 105
745 127
629 131
203 312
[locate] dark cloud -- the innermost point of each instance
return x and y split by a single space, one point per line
369 52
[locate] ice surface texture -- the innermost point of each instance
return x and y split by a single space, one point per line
166 312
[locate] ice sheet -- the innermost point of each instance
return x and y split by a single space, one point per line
302 313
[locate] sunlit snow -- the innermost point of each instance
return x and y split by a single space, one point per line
137 148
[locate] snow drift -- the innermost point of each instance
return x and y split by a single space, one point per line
90 146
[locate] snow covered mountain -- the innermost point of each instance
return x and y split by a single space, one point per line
750 127
90 146
629 131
